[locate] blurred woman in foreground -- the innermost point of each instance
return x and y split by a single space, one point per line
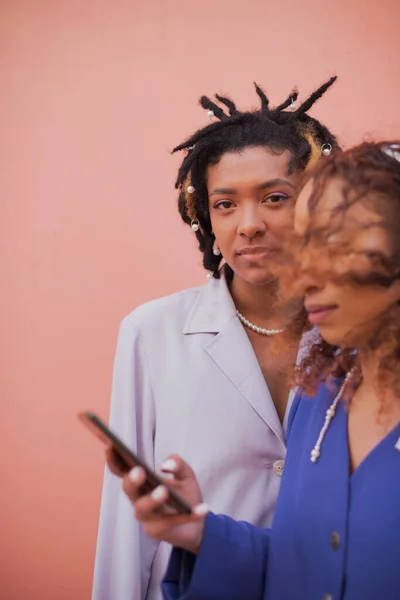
336 529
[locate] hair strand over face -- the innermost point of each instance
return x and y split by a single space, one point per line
370 177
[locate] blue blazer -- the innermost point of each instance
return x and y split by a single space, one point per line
335 536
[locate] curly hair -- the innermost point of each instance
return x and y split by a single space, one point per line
370 175
274 128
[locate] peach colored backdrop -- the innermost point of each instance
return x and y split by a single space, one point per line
93 97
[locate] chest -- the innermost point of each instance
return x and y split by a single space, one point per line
277 360
337 534
368 425
218 409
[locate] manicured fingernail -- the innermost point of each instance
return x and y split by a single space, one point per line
135 475
169 465
159 493
201 510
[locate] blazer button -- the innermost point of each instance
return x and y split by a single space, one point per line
278 467
327 597
335 540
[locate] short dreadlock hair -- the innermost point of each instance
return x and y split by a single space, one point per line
274 128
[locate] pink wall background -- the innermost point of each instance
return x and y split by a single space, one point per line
93 96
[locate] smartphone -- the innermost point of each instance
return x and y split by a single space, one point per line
129 460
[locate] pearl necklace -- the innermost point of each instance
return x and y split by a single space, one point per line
260 330
330 413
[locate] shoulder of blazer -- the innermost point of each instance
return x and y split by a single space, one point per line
172 309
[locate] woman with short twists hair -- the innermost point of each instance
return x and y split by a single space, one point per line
206 372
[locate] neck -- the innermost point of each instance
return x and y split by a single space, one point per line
261 304
369 368
381 399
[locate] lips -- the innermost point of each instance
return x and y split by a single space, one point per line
255 250
317 313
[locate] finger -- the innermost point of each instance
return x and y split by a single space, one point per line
148 507
115 463
178 467
133 483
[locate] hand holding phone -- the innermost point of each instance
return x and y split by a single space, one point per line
181 530
126 460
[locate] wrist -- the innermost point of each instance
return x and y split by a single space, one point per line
196 544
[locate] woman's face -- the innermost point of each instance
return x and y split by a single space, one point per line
251 199
347 313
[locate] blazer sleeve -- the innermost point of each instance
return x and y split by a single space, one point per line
231 564
124 554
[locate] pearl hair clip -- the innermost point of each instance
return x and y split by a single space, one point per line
392 150
326 149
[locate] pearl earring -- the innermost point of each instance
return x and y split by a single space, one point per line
190 189
293 105
210 114
326 149
210 275
216 251
195 225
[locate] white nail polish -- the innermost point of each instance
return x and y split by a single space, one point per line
135 474
169 465
159 493
201 510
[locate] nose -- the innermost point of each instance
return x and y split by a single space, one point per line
307 279
305 282
251 224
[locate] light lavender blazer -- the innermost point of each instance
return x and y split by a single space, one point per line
187 381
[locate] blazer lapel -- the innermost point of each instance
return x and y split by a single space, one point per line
231 349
